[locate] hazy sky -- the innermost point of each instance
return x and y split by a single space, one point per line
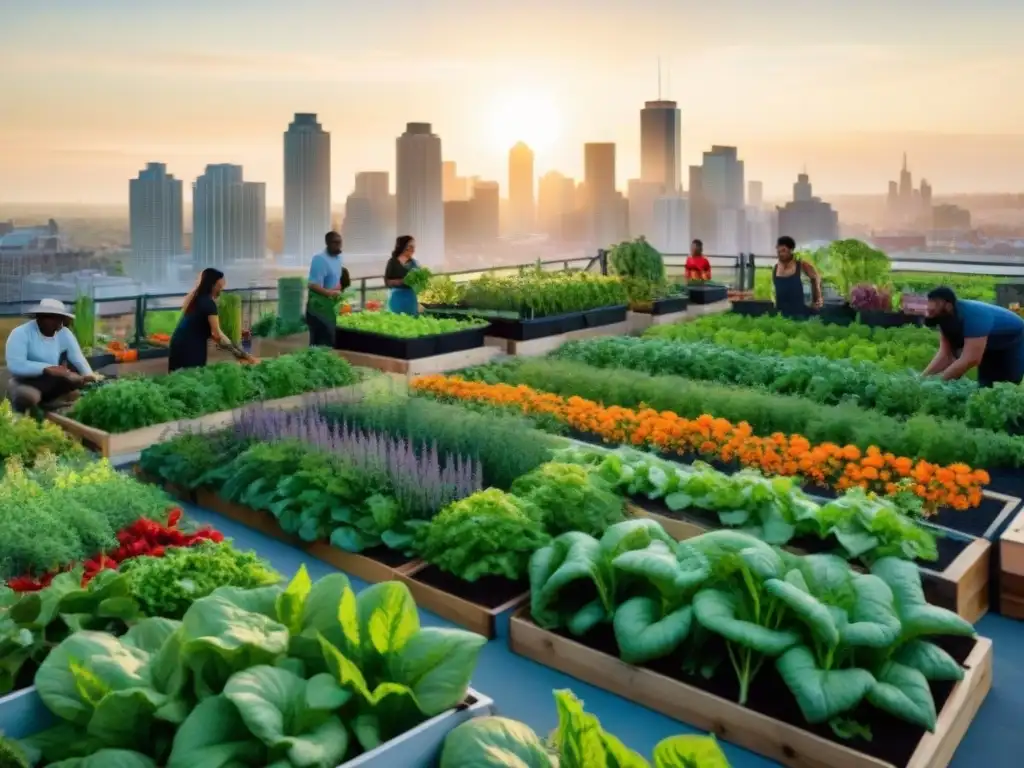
92 89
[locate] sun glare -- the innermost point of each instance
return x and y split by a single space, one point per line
526 116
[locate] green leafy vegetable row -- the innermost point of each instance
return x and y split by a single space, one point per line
937 440
579 741
26 439
404 326
894 349
127 404
829 382
308 676
726 603
536 293
774 510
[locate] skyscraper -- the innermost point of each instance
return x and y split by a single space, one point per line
722 192
808 219
155 222
642 196
755 193
556 199
485 211
419 199
604 205
307 187
660 145
369 223
229 220
522 210
802 188
670 232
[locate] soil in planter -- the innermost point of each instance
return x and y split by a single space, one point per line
975 521
894 741
386 556
1007 481
488 591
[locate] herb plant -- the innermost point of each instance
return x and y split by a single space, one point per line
418 279
490 533
25 439
319 675
536 293
229 311
569 498
404 326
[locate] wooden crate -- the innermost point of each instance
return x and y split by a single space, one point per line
474 617
538 347
1011 567
963 586
451 361
117 444
786 744
361 567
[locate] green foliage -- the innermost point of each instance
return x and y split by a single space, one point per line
418 279
186 459
56 515
290 293
162 321
33 623
536 293
25 439
271 326
839 638
937 440
127 404
404 326
570 498
490 533
846 263
85 322
166 586
893 349
776 511
12 755
442 290
642 269
506 446
974 287
829 382
579 741
310 675
229 311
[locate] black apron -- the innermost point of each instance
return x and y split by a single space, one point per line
789 293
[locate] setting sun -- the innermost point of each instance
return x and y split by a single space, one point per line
525 116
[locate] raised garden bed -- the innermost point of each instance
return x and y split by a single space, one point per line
672 309
414 348
836 314
476 606
1011 565
118 444
707 294
440 363
753 308
959 580
771 724
23 714
372 566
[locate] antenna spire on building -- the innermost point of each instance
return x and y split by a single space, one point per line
904 161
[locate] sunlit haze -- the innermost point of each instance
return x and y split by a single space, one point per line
91 91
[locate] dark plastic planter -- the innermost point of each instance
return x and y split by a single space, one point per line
101 361
537 327
837 314
665 306
753 308
407 349
154 353
707 294
595 318
881 319
471 338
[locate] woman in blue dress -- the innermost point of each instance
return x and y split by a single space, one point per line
403 299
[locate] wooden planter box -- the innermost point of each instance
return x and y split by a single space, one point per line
782 742
117 444
474 617
1011 565
360 566
451 361
962 586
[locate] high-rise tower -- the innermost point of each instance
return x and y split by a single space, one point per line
419 191
307 187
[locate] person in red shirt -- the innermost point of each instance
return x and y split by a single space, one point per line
697 265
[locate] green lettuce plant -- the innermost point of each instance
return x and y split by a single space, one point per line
579 741
404 326
838 638
570 498
306 676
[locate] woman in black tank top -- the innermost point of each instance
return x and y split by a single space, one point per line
789 288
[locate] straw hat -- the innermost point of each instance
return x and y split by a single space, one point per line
50 307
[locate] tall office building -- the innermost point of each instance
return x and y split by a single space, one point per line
229 219
604 204
486 208
556 199
802 192
807 219
642 196
155 222
670 230
722 215
755 193
307 187
660 145
419 198
369 228
453 186
722 178
522 209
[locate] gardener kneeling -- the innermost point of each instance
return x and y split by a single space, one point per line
34 353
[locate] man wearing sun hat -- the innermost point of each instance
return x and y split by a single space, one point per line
34 359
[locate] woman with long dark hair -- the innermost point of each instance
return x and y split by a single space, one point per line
199 323
403 298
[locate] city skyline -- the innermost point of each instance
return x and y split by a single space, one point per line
106 98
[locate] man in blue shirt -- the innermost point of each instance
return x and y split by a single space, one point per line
324 292
975 334
35 353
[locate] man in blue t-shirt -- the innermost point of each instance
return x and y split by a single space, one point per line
324 292
975 334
